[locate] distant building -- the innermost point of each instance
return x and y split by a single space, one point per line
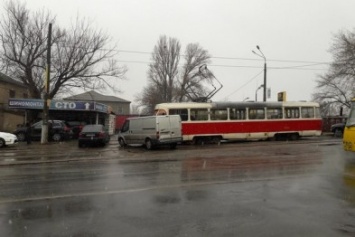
118 105
10 88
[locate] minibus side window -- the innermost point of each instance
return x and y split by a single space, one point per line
125 126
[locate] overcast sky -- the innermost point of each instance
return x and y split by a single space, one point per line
294 35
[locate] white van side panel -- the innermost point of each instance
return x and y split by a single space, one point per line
168 127
175 122
135 127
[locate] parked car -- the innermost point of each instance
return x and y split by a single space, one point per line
7 139
338 129
94 134
76 127
58 130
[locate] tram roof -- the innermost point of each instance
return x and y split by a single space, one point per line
224 104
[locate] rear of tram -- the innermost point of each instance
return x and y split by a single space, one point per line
349 130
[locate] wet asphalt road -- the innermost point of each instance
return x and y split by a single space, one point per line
304 188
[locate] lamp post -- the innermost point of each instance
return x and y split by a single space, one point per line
256 92
262 56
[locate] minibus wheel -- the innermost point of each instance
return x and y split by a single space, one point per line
148 144
173 146
121 142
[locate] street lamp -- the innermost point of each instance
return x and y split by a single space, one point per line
256 92
262 56
246 98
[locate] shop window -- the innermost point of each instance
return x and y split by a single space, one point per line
120 110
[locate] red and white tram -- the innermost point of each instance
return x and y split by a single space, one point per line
215 121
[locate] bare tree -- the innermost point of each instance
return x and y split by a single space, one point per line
336 88
81 55
196 78
148 98
168 83
163 70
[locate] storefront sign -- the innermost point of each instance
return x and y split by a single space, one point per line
58 105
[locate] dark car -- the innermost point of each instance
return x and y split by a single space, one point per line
58 130
94 134
338 129
76 127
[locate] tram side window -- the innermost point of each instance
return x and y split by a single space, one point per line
182 112
199 114
317 113
257 113
307 112
274 113
219 114
237 114
292 112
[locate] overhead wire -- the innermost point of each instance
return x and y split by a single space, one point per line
235 58
297 67
246 83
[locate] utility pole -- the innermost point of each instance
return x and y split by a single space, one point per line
264 79
44 134
262 56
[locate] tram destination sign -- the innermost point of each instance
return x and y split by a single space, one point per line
15 103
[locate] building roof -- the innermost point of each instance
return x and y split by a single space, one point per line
7 79
94 96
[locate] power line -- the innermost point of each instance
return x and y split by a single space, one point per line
225 58
250 80
299 67
235 58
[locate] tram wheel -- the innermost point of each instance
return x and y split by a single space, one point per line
294 136
198 141
216 140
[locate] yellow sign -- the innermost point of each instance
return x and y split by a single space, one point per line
281 96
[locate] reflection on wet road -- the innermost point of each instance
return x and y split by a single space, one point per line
304 188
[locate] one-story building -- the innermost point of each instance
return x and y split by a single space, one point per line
89 107
9 89
117 104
